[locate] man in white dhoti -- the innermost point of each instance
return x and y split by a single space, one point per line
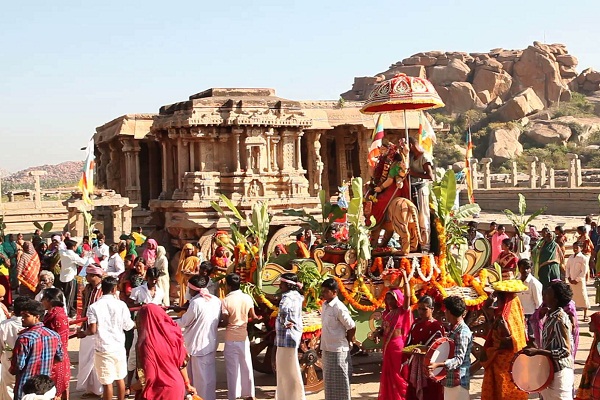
9 330
87 378
200 325
576 270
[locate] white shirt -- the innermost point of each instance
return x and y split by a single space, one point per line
102 251
9 331
200 323
577 267
336 322
69 260
115 265
531 299
141 295
112 317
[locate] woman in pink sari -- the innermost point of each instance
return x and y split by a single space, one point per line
149 253
161 357
397 320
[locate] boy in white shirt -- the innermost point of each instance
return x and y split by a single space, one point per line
107 319
530 299
575 272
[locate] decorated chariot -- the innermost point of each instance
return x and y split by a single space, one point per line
365 257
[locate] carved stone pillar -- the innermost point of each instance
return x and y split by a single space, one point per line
165 163
236 149
364 142
551 181
533 177
288 150
113 168
192 147
574 177
298 150
275 164
543 174
342 166
131 149
487 178
514 175
38 190
315 164
474 173
102 165
182 161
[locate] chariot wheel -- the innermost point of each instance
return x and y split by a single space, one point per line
311 364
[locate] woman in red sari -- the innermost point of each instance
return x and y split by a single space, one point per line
423 332
397 319
592 364
161 357
507 260
57 320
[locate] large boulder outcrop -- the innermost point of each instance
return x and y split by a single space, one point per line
581 128
504 145
459 97
523 104
537 69
455 71
548 132
496 83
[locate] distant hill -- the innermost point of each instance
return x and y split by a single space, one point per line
4 173
65 174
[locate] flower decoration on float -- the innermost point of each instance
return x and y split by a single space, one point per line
350 297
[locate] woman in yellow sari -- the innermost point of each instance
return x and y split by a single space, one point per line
506 337
189 265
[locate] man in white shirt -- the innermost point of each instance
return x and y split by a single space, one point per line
338 330
107 319
200 324
102 252
115 265
149 292
530 299
69 261
9 330
575 272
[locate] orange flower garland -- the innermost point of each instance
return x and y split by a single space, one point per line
377 265
350 297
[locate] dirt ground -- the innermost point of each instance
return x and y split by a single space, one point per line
365 380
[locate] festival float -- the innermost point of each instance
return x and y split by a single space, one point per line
353 242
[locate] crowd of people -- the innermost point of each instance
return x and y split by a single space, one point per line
133 342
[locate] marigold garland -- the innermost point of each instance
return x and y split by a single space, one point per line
377 265
350 297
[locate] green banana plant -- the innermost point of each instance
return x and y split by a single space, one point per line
444 197
359 233
521 221
330 212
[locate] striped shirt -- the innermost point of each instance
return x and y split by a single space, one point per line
458 367
290 310
556 337
36 350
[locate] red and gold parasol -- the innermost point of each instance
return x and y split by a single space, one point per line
401 93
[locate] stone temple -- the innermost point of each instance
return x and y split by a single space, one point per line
248 144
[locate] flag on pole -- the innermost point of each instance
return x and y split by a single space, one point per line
376 142
468 156
86 183
426 134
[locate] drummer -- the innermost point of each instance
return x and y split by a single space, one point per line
457 381
556 341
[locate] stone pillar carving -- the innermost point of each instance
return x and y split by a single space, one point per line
298 150
364 142
182 162
574 177
487 177
38 190
268 134
102 165
236 149
315 163
514 175
342 167
551 181
117 220
131 149
474 173
113 168
165 163
275 164
192 146
533 177
543 174
288 150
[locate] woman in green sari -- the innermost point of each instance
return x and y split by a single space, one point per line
549 260
4 272
11 250
131 250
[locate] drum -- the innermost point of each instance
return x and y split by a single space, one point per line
531 374
441 350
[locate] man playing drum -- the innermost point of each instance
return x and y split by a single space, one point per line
457 381
556 341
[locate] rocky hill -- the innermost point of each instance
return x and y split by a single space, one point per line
60 175
517 102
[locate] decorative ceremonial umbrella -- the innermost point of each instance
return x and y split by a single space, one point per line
401 93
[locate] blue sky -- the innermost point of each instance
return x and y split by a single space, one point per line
69 66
